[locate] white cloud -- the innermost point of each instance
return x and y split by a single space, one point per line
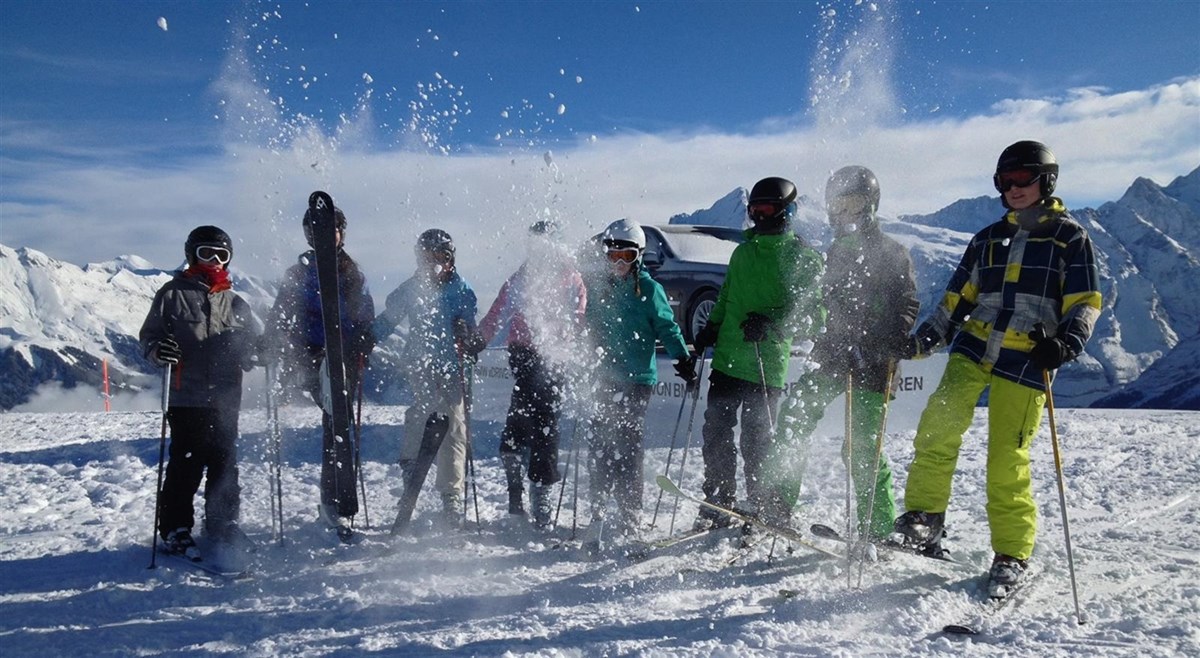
257 189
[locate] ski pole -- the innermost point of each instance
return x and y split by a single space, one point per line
849 476
688 444
271 472
1062 494
464 369
362 483
887 396
566 470
278 441
762 379
162 449
670 455
1039 333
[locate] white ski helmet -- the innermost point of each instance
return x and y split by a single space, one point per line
625 233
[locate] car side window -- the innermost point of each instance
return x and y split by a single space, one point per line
654 251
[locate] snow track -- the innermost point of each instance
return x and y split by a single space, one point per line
75 532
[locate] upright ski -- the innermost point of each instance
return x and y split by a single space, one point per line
783 532
337 472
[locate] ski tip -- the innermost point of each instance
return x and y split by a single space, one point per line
959 629
666 484
319 200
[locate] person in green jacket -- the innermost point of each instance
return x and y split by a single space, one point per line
770 297
870 292
627 312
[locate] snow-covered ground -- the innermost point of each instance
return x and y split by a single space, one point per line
78 507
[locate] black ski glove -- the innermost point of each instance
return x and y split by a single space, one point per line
755 326
707 337
1049 353
167 351
920 343
686 369
469 339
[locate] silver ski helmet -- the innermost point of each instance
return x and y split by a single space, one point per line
1035 157
339 219
624 233
207 236
771 204
852 196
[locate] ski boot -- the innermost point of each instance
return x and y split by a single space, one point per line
920 532
543 506
179 542
515 478
1006 575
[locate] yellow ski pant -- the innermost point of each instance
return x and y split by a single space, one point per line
1014 414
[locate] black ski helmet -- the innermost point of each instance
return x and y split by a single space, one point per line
1028 154
338 217
779 192
852 193
435 241
210 236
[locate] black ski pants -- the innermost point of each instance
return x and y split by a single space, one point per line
532 421
615 440
202 439
725 395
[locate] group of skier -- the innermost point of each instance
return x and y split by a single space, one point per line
1022 301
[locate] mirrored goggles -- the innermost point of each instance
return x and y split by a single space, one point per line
1006 180
764 210
622 255
209 253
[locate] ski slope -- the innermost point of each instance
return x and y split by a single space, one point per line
75 533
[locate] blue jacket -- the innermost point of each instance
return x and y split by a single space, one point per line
296 315
424 313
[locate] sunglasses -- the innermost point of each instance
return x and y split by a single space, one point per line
1007 180
209 253
622 255
764 210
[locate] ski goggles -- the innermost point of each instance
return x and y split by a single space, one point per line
437 257
622 254
764 209
1006 180
209 253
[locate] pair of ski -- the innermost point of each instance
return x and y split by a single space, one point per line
337 397
997 602
783 532
210 568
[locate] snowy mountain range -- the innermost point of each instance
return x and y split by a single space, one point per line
59 322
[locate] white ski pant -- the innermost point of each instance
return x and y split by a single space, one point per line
442 397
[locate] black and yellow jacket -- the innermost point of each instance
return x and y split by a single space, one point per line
1032 267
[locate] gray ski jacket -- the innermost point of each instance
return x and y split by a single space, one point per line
217 335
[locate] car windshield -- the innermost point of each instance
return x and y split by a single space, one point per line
703 247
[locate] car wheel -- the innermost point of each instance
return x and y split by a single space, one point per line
698 313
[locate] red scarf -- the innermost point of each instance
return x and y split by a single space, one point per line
216 276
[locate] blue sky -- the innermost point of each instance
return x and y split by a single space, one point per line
481 116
